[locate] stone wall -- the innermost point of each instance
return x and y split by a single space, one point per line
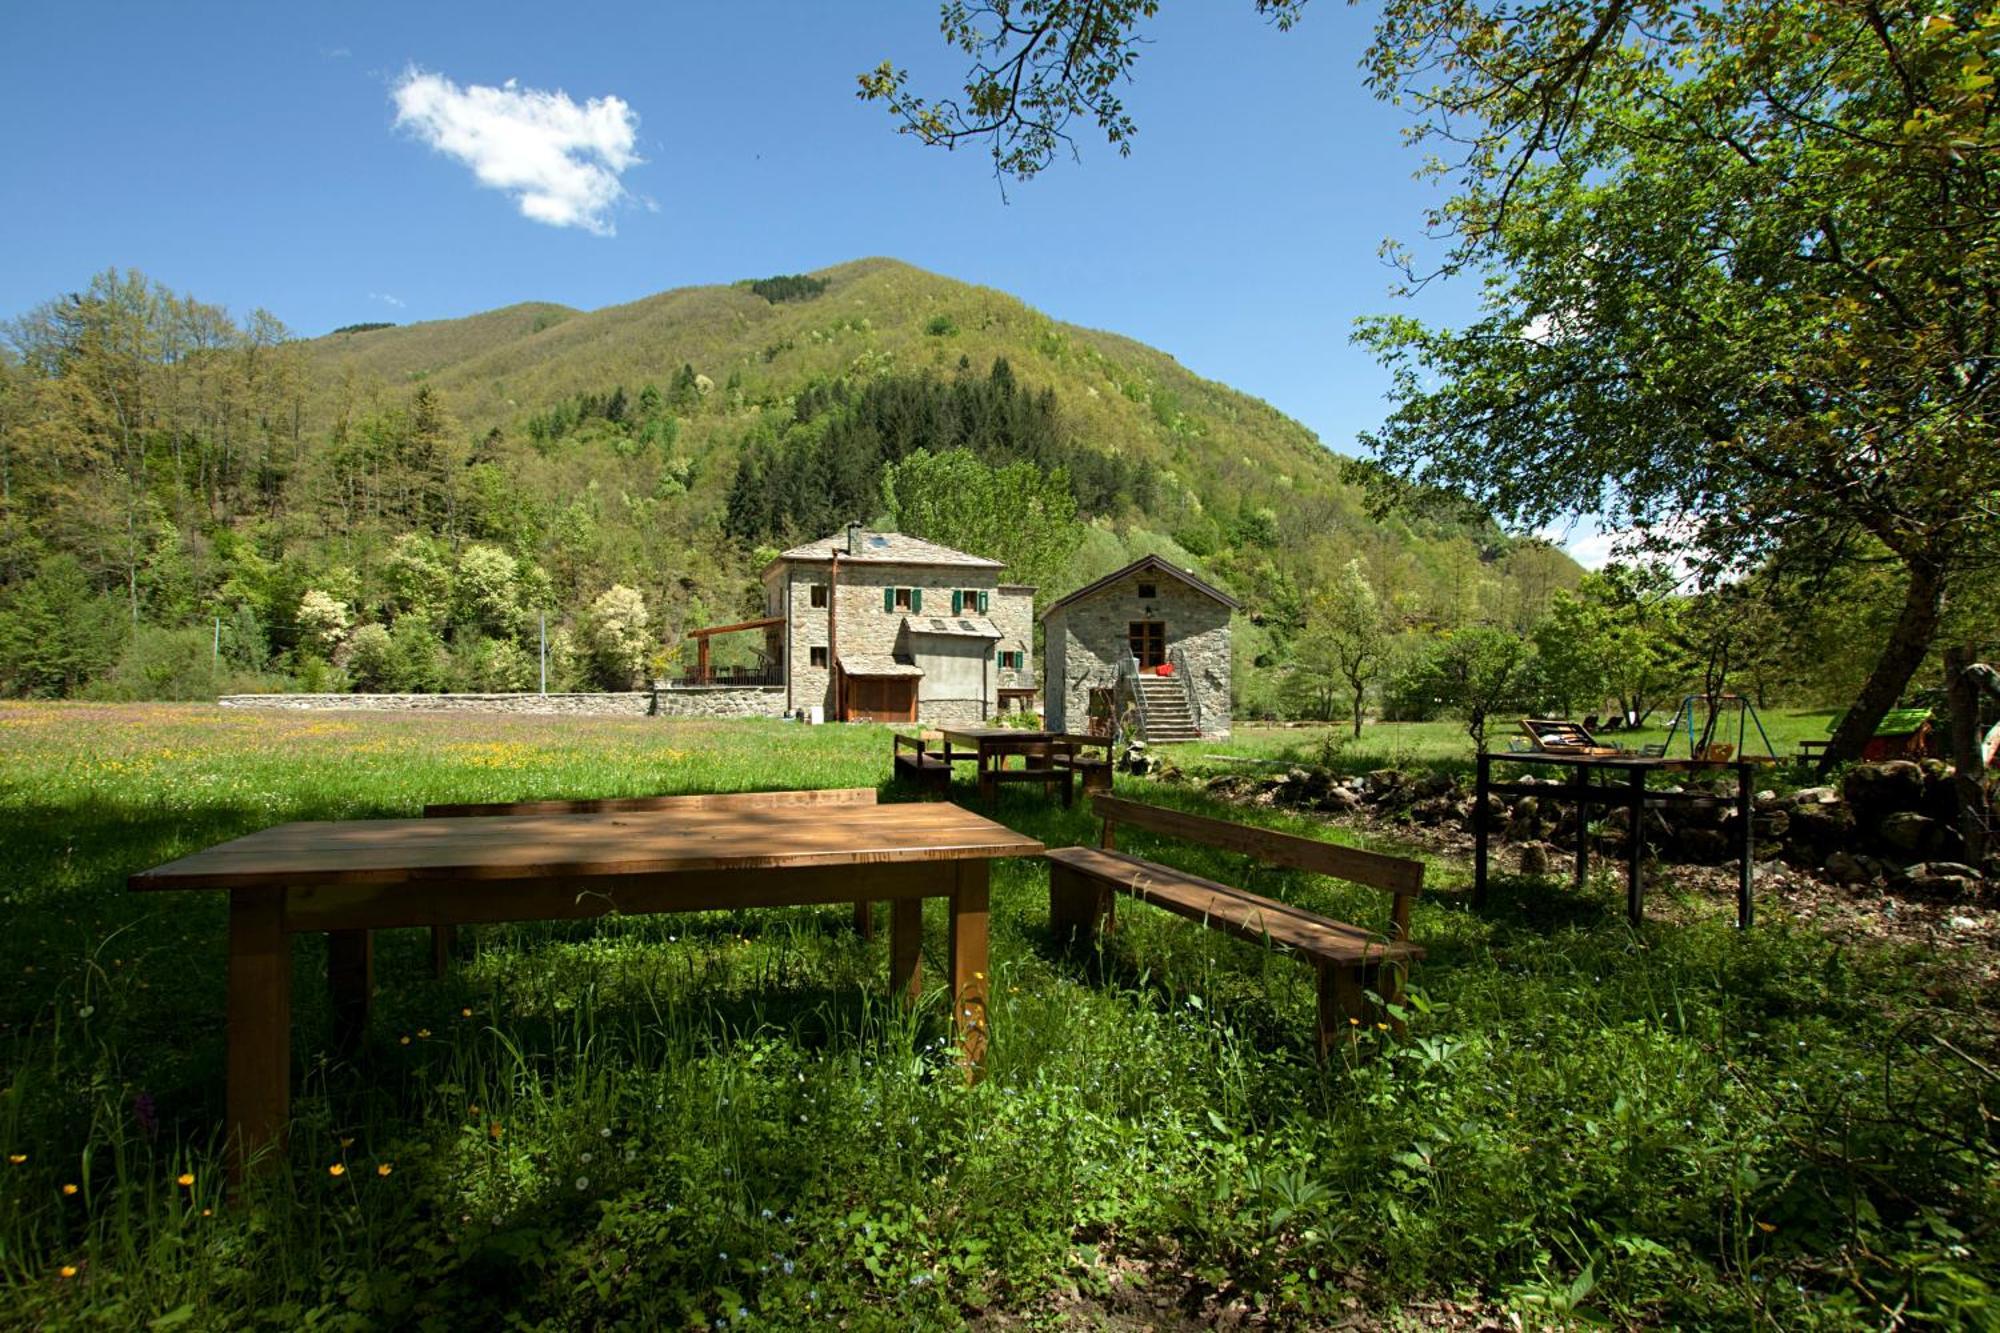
1094 640
1013 614
631 703
722 701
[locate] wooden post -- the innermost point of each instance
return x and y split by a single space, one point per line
443 940
350 977
1481 780
1635 849
701 659
1341 997
1968 784
968 963
864 920
259 1029
906 949
1580 780
1747 850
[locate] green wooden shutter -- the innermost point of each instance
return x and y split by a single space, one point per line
982 603
888 599
916 600
957 601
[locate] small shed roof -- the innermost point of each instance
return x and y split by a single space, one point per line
1147 564
970 627
877 664
885 548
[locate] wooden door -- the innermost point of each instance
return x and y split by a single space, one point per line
881 698
1149 642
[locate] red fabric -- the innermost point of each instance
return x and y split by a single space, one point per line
1164 669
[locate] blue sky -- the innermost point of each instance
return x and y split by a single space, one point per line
252 155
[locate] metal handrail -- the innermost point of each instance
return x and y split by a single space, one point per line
1128 675
1178 657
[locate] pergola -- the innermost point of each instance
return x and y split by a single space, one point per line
702 673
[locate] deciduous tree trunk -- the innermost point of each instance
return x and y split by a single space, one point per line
1923 603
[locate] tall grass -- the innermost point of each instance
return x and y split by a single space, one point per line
717 1117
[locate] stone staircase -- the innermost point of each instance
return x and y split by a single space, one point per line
1169 718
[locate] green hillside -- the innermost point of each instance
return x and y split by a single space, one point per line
663 445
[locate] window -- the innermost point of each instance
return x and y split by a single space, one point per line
1148 591
1013 661
903 599
968 601
817 597
817 656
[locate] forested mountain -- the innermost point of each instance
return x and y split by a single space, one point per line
441 486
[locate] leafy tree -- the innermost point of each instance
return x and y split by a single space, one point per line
617 637
1575 645
1740 263
322 620
1014 514
56 631
418 580
371 658
1477 672
485 591
1346 638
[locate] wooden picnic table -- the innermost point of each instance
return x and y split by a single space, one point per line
990 747
1624 785
353 876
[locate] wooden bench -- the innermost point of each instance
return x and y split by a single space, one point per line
912 760
1351 961
1043 760
1093 771
443 938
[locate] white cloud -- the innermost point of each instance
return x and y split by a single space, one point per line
560 161
387 299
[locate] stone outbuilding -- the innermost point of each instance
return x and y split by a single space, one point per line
1132 622
880 626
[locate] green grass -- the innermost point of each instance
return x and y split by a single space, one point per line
1445 744
685 1119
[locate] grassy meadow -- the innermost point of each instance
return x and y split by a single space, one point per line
716 1121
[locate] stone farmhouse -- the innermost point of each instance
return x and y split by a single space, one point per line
878 626
1105 643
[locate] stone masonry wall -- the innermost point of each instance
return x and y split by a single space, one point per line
1094 640
722 701
709 702
632 703
1012 611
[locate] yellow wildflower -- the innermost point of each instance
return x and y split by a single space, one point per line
185 1179
336 1170
67 1270
69 1189
17 1157
384 1168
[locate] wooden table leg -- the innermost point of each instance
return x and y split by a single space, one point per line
350 976
1581 782
906 949
259 1030
1481 779
968 963
864 920
987 786
1635 900
1745 867
443 940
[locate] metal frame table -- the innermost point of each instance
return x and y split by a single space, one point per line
354 876
1627 790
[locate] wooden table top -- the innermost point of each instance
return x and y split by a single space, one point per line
388 851
977 735
1651 763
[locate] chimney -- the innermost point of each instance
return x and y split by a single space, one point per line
852 528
